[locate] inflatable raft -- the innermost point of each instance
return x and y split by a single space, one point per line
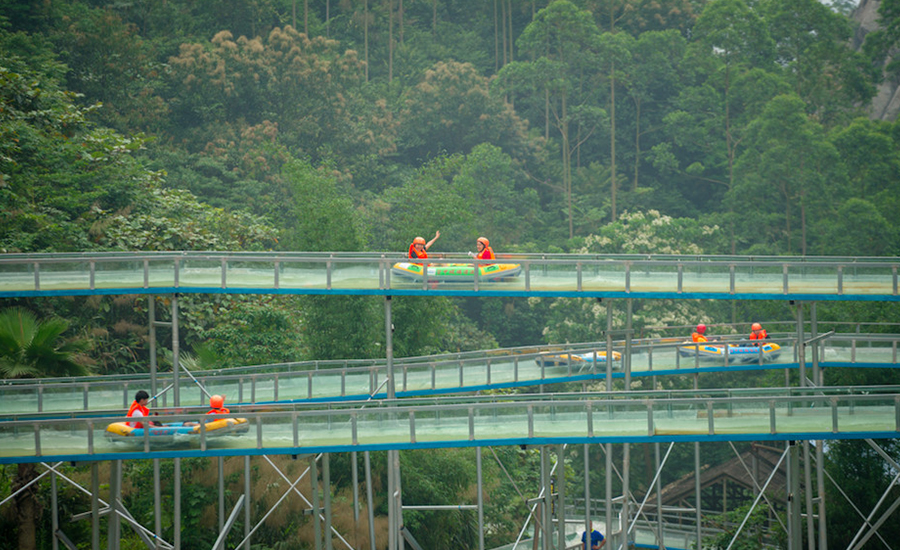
461 273
742 353
177 431
579 359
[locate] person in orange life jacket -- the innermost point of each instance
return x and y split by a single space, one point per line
217 402
699 335
139 408
485 252
758 333
418 248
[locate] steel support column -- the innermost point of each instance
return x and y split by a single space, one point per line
659 505
326 491
546 525
157 499
113 525
371 508
626 447
587 485
609 345
316 509
609 495
54 509
698 513
220 462
793 499
561 496
820 445
176 520
480 486
247 506
95 506
151 312
176 372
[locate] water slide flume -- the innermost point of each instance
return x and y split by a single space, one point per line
745 353
176 432
579 359
455 272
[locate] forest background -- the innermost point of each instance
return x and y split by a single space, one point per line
600 126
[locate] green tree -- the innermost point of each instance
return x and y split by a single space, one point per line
452 110
812 43
755 534
111 63
869 152
253 332
502 210
653 84
732 38
31 348
787 152
319 214
564 42
861 474
616 63
57 170
304 83
844 235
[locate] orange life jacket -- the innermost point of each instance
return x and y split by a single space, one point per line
223 410
697 337
486 254
414 253
759 335
135 406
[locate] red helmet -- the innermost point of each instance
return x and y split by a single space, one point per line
216 401
756 326
419 240
484 241
701 328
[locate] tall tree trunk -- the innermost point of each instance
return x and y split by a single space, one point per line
434 18
496 39
306 17
293 13
390 41
328 18
637 142
26 512
511 43
730 147
366 35
787 213
546 113
612 139
567 161
802 209
503 36
400 20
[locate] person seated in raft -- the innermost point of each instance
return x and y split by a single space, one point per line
418 248
699 335
217 402
758 333
139 409
484 250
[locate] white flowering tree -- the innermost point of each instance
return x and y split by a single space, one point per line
584 319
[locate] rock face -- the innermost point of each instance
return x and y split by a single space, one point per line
886 103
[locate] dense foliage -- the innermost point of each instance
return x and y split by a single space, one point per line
626 126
